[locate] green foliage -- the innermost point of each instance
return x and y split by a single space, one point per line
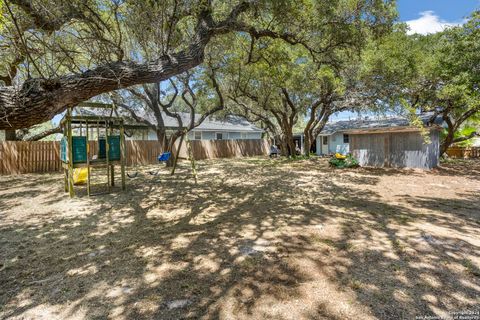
463 132
56 37
437 72
348 162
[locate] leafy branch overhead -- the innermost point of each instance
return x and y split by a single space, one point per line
60 53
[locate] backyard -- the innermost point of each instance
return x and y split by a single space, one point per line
253 239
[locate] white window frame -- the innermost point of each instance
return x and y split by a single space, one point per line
222 133
346 136
243 135
324 139
195 137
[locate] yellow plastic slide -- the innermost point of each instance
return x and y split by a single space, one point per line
80 176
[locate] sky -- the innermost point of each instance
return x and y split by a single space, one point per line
428 16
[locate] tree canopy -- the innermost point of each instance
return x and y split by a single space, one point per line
56 54
437 73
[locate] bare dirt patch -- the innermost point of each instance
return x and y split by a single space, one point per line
254 239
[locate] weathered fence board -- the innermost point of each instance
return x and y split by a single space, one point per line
400 149
460 152
44 156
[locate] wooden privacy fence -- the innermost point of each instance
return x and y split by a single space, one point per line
23 156
44 156
468 152
211 149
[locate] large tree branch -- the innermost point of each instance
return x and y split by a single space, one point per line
38 100
289 101
467 137
468 114
44 134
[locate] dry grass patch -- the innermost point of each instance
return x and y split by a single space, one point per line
254 239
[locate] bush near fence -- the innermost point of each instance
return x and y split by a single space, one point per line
463 152
44 156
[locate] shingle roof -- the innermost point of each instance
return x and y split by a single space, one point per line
366 124
230 123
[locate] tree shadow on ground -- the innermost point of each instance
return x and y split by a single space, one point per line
245 238
459 167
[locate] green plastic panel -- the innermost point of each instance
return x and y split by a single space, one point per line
63 149
79 150
114 150
102 150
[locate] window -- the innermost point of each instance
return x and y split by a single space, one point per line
219 136
325 140
345 138
197 135
243 135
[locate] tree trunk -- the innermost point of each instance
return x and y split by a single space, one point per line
289 139
444 146
161 136
171 144
283 146
447 142
307 144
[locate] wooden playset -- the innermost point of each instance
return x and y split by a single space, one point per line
79 128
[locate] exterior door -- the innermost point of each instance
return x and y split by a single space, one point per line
324 144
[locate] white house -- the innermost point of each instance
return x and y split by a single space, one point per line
230 127
212 128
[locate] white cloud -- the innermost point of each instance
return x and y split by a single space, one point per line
429 23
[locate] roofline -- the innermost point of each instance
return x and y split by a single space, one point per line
387 129
222 129
240 130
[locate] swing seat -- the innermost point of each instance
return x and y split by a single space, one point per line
164 157
161 158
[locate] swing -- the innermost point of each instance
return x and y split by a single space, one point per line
132 175
164 157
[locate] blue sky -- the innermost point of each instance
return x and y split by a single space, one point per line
449 10
429 16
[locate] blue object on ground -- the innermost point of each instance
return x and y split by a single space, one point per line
164 157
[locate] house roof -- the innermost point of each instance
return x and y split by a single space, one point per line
230 123
390 122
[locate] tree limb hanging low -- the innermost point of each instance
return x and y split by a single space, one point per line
44 134
38 100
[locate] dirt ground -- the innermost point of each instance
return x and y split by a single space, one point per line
254 239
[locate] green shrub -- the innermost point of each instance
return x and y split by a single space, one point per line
348 162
